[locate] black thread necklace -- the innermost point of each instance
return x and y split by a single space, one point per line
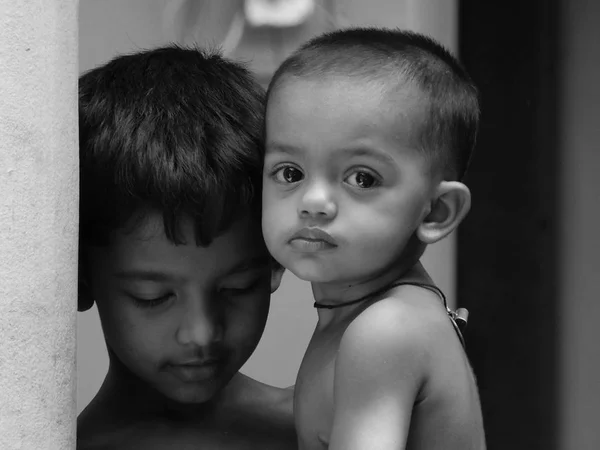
458 318
380 291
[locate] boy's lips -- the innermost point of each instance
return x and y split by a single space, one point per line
195 370
312 240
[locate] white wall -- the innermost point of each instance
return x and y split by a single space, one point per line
38 223
109 27
579 318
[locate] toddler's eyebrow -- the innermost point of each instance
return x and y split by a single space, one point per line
381 156
370 153
283 148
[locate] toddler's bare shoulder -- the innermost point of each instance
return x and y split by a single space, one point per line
408 314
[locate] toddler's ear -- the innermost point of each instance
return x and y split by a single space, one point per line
276 275
85 300
449 207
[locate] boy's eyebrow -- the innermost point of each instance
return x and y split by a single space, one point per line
145 275
155 275
252 263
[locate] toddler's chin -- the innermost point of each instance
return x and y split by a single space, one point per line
311 274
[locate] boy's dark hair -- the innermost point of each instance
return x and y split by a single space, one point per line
172 129
398 58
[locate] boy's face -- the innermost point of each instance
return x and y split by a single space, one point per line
183 318
341 159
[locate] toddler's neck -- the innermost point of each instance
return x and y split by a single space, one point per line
335 295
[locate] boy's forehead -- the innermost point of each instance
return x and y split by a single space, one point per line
148 225
146 245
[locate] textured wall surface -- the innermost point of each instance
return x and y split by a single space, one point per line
38 223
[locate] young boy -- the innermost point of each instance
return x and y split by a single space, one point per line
368 132
172 254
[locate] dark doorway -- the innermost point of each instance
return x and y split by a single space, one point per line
507 246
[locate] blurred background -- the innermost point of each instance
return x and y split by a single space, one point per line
526 262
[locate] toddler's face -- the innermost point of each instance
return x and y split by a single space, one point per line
182 318
344 186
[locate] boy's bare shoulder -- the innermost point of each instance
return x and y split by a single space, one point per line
105 424
99 427
258 393
260 416
264 402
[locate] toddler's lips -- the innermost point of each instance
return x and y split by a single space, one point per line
312 240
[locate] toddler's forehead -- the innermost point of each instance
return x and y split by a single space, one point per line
341 111
394 98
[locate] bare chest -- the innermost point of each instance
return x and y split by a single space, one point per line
246 435
314 396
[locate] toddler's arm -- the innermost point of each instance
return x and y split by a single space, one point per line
380 368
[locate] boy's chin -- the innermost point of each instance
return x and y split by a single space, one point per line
193 391
195 394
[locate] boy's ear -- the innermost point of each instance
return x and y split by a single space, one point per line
276 275
449 207
85 300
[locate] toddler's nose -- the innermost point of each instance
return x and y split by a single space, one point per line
317 202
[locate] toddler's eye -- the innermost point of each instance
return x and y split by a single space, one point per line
288 175
362 180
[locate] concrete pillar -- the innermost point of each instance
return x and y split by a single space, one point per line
38 223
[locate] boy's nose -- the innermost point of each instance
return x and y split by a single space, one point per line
201 326
317 202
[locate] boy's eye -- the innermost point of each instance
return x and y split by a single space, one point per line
362 180
239 290
150 302
288 174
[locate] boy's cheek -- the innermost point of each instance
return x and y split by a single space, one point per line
276 276
248 320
